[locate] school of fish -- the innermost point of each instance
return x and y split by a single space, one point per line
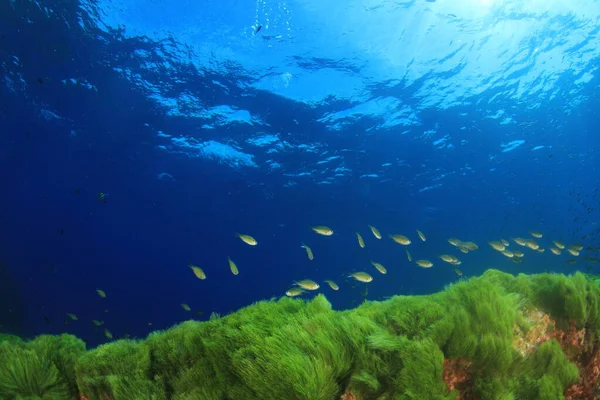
512 249
501 245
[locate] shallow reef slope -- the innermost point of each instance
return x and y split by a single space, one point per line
491 337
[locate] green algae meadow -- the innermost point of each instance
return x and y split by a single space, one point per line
496 336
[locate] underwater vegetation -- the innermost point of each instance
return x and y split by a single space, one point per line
496 336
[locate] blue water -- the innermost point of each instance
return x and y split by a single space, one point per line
477 121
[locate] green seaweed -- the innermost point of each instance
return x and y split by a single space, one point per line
304 350
9 338
545 374
119 370
42 368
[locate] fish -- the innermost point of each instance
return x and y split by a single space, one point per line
504 242
197 271
185 307
232 266
532 244
101 293
72 316
454 242
323 230
496 245
520 241
559 245
421 235
107 334
536 234
408 256
375 232
249 240
361 277
307 284
448 258
458 271
361 242
97 323
424 263
573 252
470 246
400 239
102 197
309 252
293 292
379 267
332 284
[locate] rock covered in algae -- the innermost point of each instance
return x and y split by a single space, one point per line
492 337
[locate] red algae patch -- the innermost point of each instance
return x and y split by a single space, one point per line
457 377
579 345
542 329
348 396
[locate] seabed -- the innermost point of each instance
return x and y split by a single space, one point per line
496 336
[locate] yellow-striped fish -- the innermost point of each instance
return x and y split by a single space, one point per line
233 267
379 267
400 239
470 246
408 256
532 244
307 284
101 293
185 307
323 230
448 258
375 232
424 263
197 271
293 292
496 245
309 252
421 235
573 251
247 239
361 277
332 284
454 242
520 241
361 242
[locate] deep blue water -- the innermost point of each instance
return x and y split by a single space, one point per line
196 127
